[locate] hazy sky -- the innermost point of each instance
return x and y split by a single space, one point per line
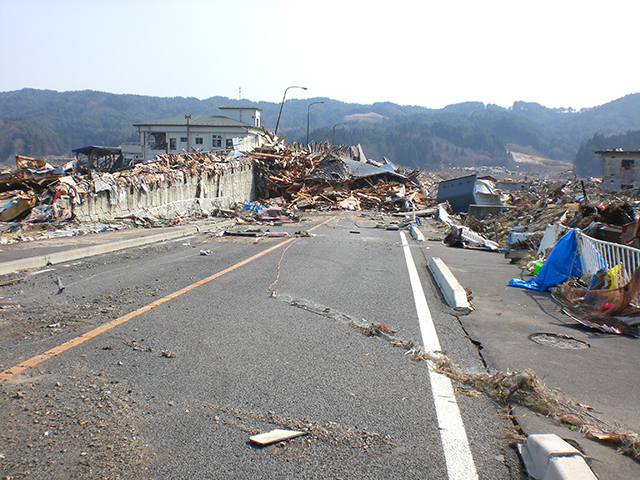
413 52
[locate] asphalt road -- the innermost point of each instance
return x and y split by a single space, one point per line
599 375
230 350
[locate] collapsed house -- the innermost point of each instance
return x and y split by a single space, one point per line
101 158
323 176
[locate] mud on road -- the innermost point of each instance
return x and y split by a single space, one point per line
74 422
71 424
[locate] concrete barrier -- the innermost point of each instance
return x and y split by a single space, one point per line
121 195
451 289
548 457
89 251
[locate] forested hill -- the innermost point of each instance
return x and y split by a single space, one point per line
45 123
590 163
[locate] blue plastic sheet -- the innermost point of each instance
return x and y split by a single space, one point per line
563 262
255 206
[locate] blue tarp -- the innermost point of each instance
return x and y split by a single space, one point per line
563 262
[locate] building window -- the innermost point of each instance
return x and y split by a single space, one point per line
216 141
158 141
229 144
627 164
184 139
198 141
173 144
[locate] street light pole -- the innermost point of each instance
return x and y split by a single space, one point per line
308 111
333 141
282 105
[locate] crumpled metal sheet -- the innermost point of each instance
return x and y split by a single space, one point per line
331 168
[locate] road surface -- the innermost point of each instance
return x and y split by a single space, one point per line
192 346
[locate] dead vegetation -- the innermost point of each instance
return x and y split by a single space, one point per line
519 387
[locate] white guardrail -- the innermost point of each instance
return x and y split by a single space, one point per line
597 255
618 260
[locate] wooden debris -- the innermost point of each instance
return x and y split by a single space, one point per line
274 436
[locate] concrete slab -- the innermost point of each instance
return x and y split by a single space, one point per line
24 256
549 457
451 289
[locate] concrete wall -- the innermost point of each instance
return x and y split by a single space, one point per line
233 183
621 171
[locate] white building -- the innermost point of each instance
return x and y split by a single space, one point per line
240 130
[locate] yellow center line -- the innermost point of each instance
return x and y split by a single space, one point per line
33 361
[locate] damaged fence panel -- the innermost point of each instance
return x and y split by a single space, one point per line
619 260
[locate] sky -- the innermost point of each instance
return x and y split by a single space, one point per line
411 52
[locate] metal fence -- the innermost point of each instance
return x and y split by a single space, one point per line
617 261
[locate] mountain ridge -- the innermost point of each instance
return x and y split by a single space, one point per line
467 133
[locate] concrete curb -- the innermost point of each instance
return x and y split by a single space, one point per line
548 457
74 254
416 233
451 289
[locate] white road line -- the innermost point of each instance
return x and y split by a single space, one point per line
457 453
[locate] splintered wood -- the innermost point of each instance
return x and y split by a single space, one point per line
274 436
324 176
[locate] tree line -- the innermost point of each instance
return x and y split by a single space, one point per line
47 123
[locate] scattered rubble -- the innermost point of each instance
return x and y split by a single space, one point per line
332 177
538 227
291 178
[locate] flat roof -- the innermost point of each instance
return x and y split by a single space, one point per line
196 121
240 108
616 150
100 150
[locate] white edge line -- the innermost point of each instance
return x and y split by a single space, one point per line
457 452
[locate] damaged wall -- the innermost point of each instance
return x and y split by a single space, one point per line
621 169
119 197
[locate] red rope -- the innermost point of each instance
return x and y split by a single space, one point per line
270 289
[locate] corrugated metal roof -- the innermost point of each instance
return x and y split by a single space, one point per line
458 192
196 121
330 168
361 169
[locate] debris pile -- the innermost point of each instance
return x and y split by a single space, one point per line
581 204
604 309
31 191
29 195
572 238
290 178
332 177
